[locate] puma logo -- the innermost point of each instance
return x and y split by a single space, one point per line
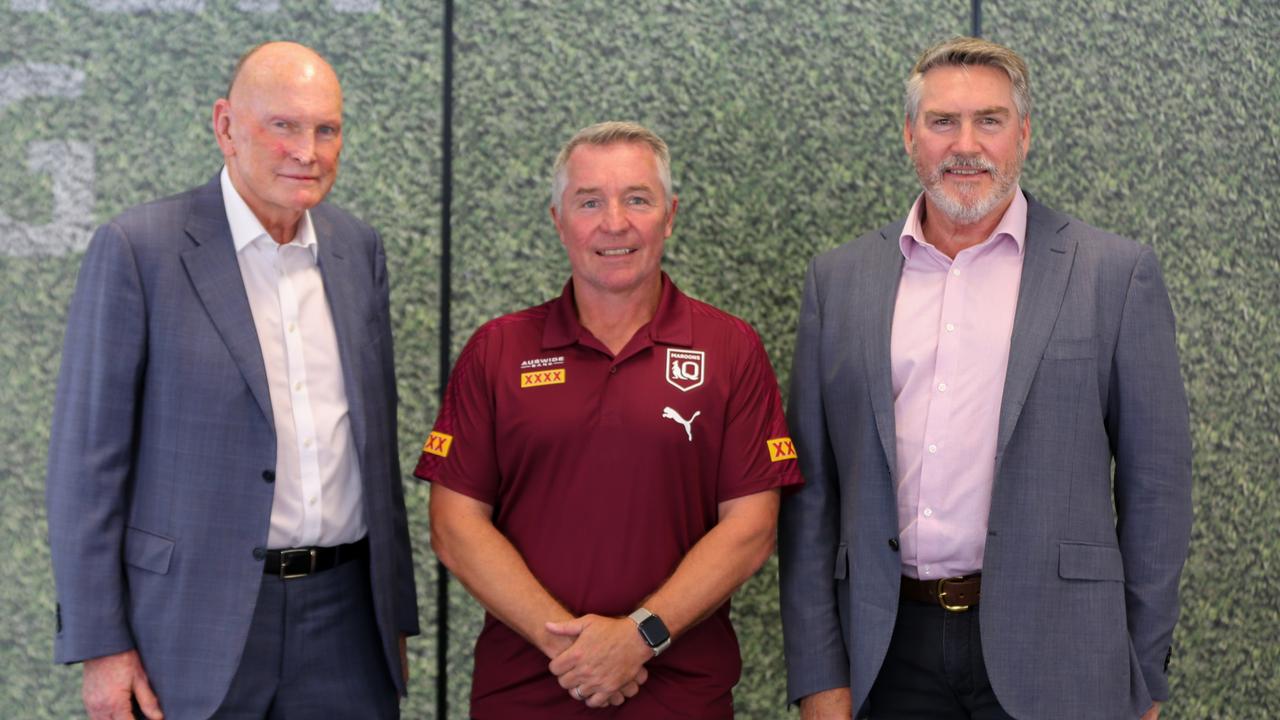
688 424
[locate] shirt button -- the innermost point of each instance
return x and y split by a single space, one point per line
942 387
306 443
312 502
951 327
293 327
926 570
297 386
613 370
933 448
955 271
928 512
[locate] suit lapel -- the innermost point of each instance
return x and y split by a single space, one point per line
878 295
1045 270
344 301
215 274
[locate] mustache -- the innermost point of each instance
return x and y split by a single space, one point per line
968 162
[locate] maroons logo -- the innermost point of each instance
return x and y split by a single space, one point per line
686 369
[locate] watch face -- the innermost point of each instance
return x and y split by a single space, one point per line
654 631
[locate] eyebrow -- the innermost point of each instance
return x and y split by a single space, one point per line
628 189
982 112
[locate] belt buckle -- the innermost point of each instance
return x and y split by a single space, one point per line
942 597
286 557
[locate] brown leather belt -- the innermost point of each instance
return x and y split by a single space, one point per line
956 594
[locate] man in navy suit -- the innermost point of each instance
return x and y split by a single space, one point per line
226 513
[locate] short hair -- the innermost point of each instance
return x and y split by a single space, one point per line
966 51
610 133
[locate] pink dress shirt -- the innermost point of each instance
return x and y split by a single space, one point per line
949 351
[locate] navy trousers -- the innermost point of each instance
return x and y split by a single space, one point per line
934 669
313 652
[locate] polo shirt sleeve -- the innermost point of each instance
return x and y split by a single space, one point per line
460 453
757 453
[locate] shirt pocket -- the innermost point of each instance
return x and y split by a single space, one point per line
147 551
1088 561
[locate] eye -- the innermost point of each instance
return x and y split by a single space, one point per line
638 200
590 204
281 124
989 121
943 122
327 131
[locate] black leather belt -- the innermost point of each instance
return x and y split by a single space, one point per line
956 594
300 562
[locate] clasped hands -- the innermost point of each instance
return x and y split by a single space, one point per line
598 660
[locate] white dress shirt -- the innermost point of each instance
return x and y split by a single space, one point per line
318 497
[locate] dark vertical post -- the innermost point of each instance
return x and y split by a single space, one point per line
975 14
446 337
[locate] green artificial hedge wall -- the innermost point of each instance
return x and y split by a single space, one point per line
1153 119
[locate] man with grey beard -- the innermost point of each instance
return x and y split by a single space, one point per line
994 436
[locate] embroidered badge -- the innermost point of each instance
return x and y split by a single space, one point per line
686 369
781 449
542 377
438 444
671 414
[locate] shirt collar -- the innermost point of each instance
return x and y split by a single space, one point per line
245 226
672 322
1013 225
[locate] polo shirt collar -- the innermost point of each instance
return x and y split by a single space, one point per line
672 323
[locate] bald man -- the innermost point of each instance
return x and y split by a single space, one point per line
226 514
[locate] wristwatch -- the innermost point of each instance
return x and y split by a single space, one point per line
652 630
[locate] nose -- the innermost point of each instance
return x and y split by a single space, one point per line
967 140
303 150
615 218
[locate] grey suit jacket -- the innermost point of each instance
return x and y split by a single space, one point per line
162 453
1080 574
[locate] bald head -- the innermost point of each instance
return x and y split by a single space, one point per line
280 60
280 132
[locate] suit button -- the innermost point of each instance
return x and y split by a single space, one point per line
259 553
269 476
893 544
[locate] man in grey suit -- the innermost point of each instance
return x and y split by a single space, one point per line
226 512
993 430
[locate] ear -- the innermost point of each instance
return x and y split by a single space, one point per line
555 220
222 127
1026 135
907 136
671 216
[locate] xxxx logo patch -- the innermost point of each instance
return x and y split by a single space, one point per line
781 449
539 378
438 444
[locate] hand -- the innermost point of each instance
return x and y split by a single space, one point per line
404 659
1152 712
111 682
827 705
605 663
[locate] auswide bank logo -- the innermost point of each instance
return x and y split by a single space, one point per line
686 369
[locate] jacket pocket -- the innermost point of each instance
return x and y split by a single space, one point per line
1086 561
842 562
147 551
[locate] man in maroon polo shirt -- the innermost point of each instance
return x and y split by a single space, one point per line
607 466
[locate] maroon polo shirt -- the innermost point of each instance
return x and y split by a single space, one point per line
603 472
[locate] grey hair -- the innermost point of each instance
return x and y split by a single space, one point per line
609 133
967 51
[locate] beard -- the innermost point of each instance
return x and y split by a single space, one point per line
968 206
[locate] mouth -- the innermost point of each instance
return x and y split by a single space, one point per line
615 252
966 172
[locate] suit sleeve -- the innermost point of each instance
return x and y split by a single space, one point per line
92 449
406 592
808 529
1148 424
